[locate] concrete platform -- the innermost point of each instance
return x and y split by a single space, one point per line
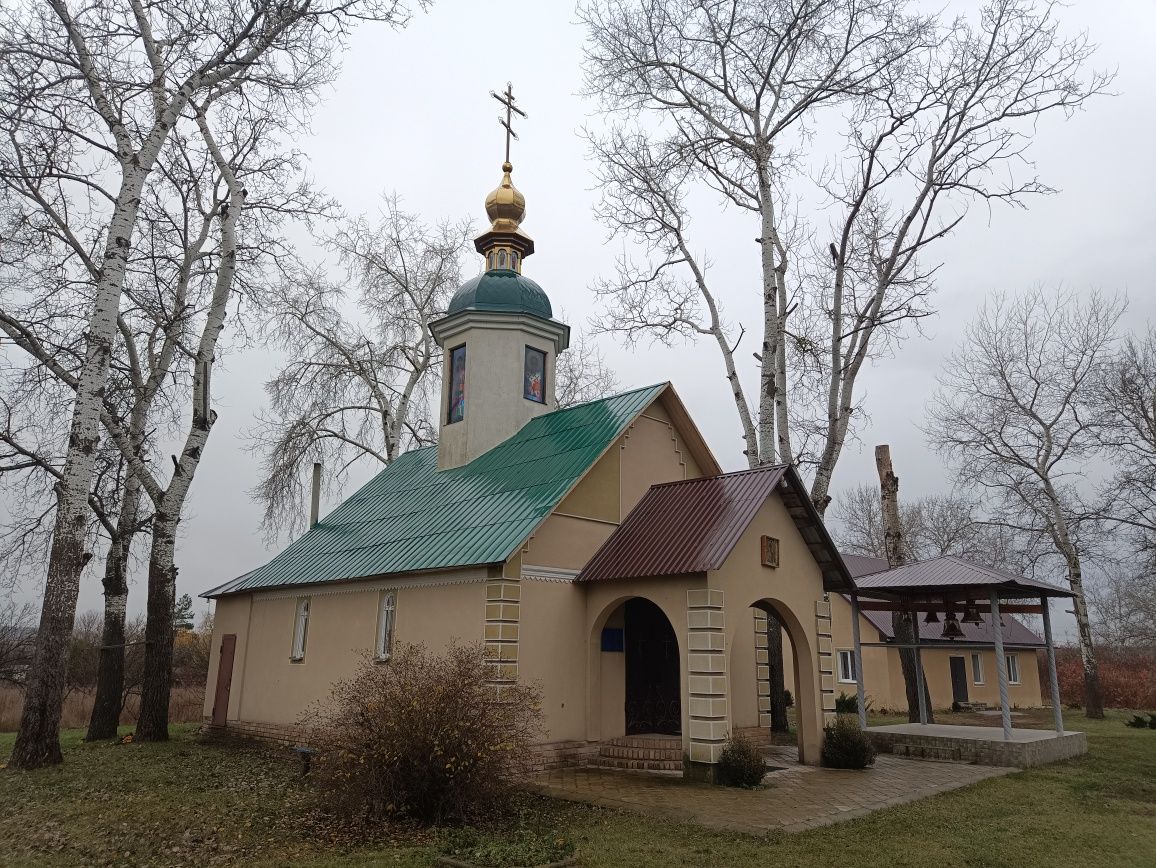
980 745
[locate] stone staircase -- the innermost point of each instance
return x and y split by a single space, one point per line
655 753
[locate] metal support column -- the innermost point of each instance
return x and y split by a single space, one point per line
1054 681
1001 666
859 692
919 672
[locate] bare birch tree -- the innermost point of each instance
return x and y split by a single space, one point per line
933 114
1128 432
95 94
932 526
361 376
1015 413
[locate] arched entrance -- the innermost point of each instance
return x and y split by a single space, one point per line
636 671
653 690
801 678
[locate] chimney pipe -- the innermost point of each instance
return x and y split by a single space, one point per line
315 500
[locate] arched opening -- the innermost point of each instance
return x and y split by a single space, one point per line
636 672
653 694
800 679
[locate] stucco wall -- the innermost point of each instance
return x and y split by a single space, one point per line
552 647
793 590
230 615
495 406
268 687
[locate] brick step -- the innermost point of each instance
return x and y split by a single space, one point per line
657 742
615 751
650 765
926 752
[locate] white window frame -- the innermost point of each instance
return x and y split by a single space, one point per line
300 630
386 621
850 670
1012 662
977 668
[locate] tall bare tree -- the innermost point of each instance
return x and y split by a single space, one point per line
17 632
358 384
1128 433
1015 413
932 113
932 526
90 98
903 624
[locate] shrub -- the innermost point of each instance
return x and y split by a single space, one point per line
1138 721
425 736
788 698
518 847
740 764
1152 721
1127 676
845 704
845 746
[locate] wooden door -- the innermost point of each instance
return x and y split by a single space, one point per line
958 679
224 679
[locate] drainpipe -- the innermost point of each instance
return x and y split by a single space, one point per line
315 500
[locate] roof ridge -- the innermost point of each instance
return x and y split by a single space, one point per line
764 468
603 398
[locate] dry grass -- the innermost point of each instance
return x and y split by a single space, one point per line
190 802
186 705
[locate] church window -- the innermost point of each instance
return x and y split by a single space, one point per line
300 630
534 379
501 259
490 261
514 261
457 405
385 618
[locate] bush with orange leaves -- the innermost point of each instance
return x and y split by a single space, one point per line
424 735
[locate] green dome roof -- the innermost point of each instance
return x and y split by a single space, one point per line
502 290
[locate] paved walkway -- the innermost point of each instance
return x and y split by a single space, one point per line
796 797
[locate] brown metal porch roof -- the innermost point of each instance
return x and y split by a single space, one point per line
954 577
692 526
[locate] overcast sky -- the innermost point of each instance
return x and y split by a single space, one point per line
411 113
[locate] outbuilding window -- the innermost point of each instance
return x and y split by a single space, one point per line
1013 669
977 668
300 630
847 667
385 618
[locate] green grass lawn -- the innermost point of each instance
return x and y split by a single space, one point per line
194 803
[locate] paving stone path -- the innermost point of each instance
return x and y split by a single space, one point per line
798 797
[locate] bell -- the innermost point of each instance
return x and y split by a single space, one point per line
951 628
931 618
971 614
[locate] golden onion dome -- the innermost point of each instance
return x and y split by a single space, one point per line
505 206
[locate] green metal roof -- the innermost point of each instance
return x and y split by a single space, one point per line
501 290
411 516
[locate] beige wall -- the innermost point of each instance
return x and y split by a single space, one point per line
269 688
495 360
552 653
650 452
793 590
230 615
